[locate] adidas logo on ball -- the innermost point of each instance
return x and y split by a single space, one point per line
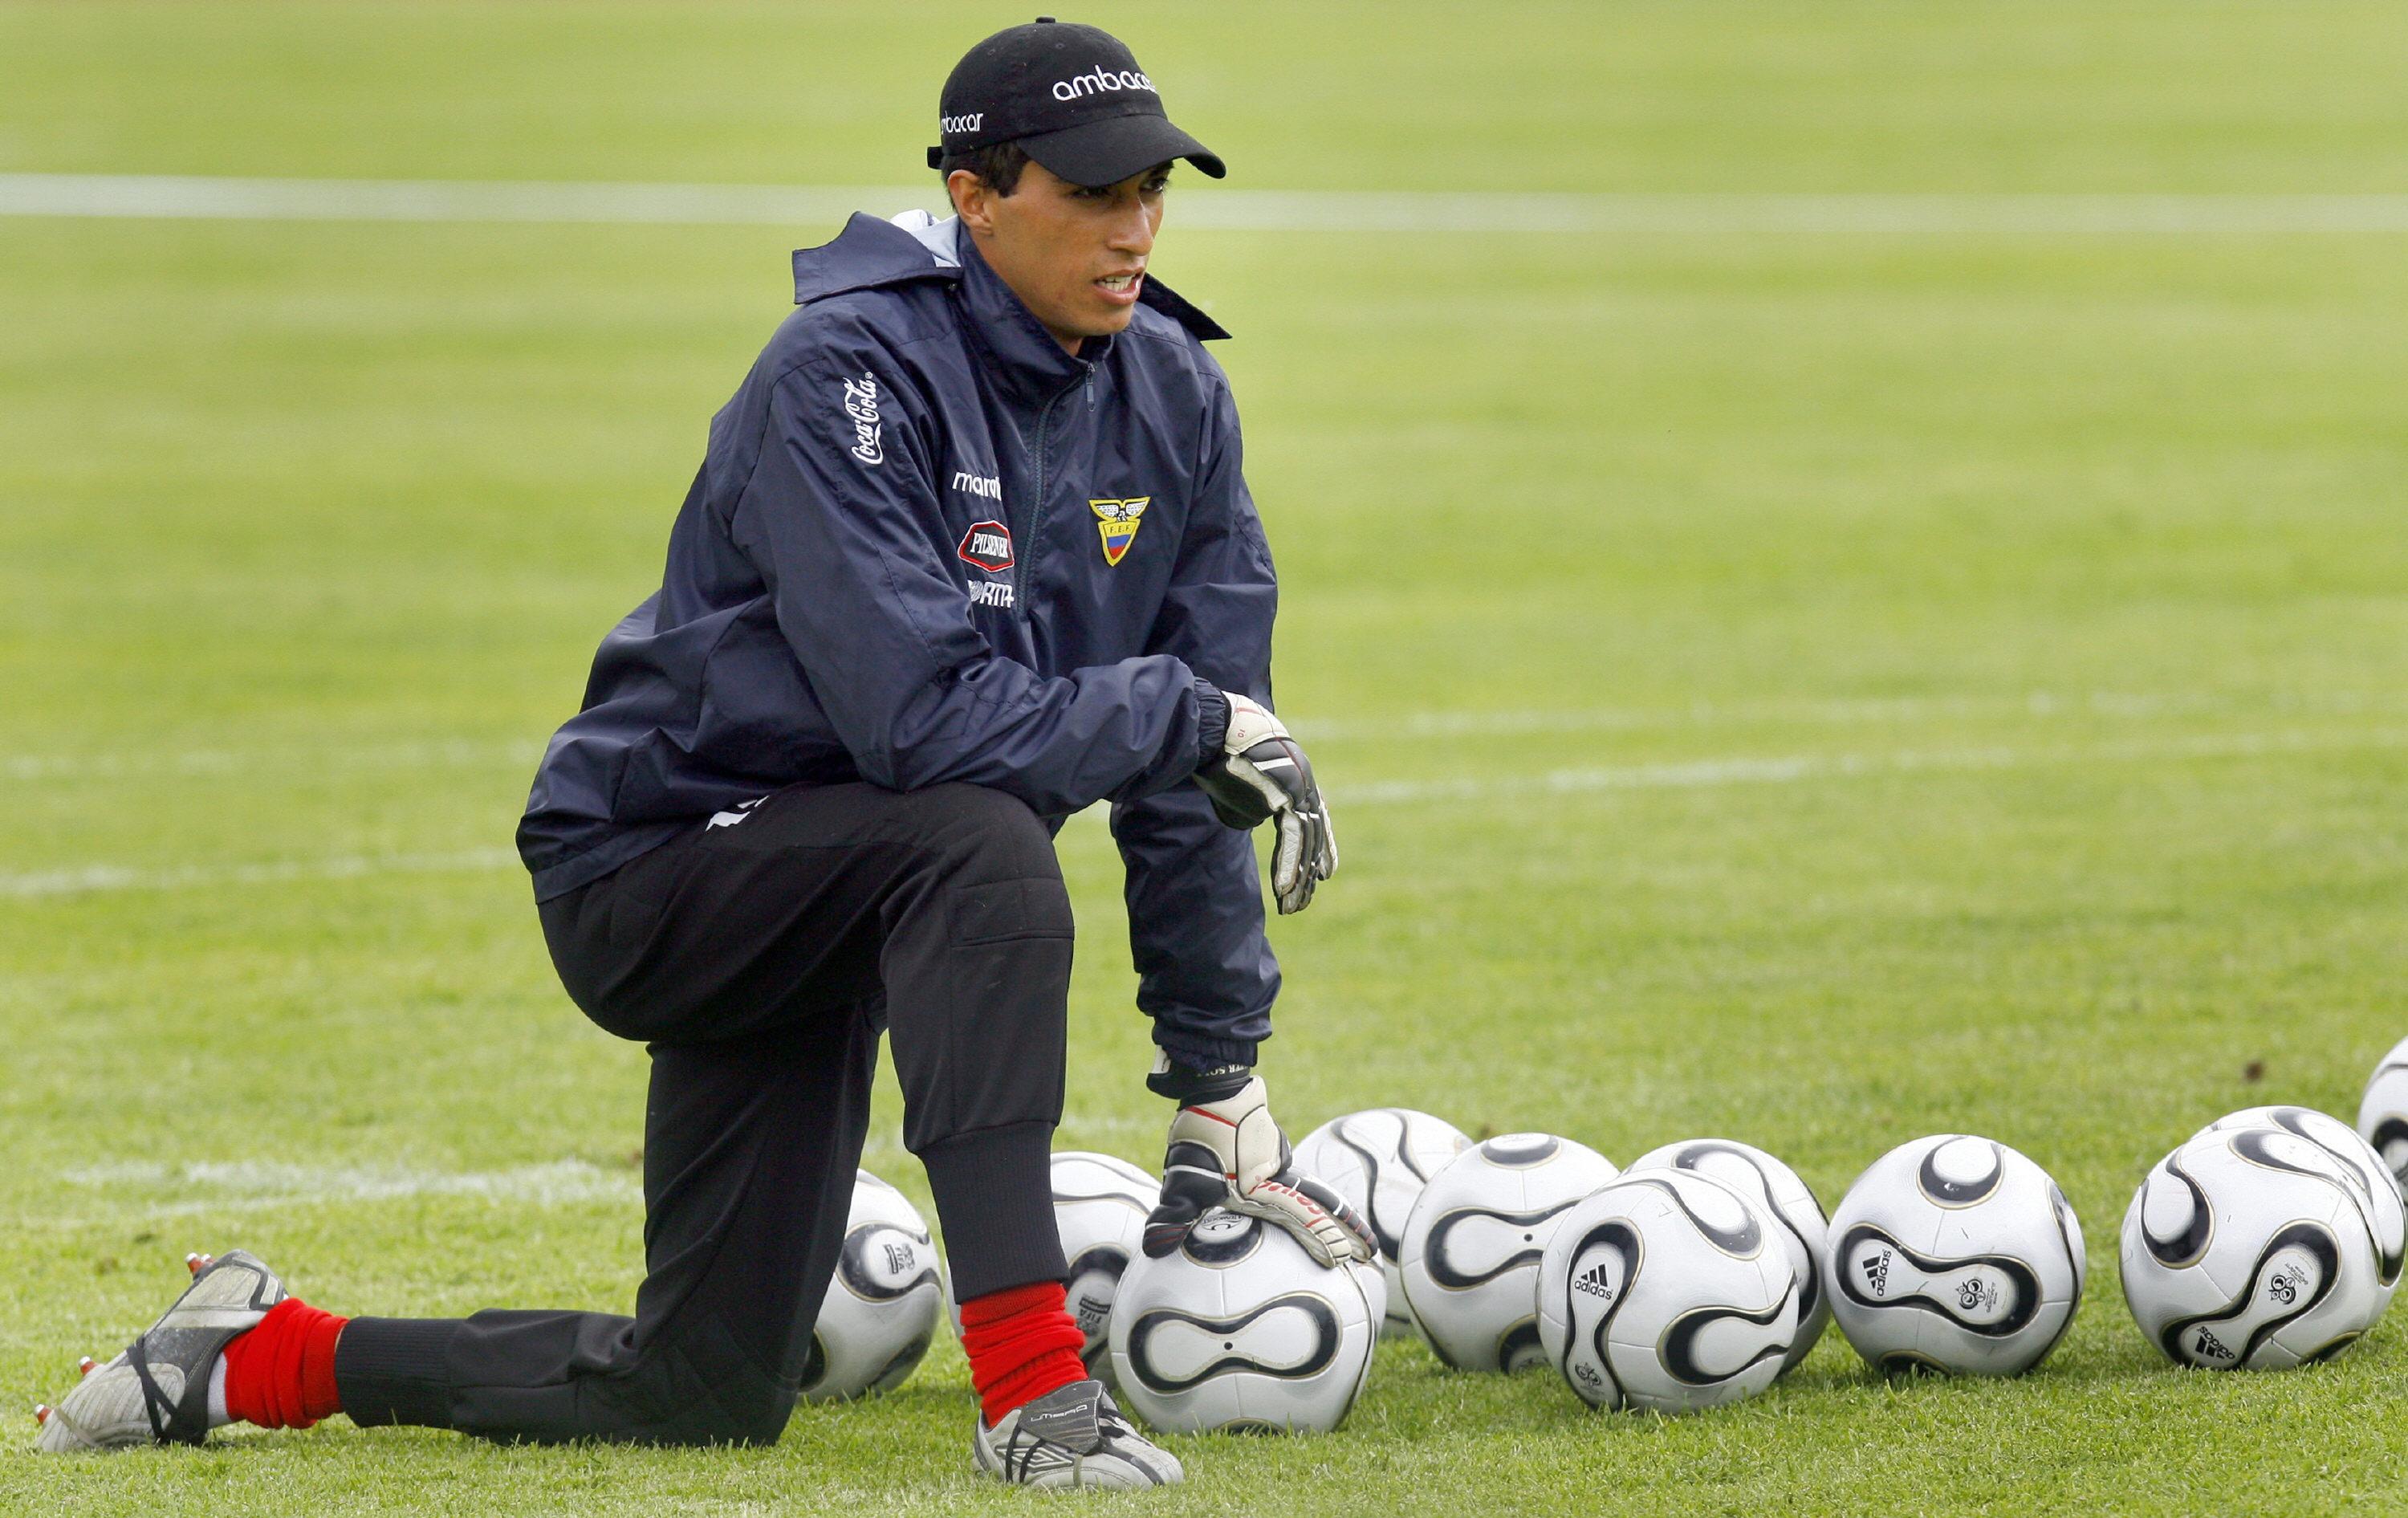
2211 1346
1877 1273
1596 1282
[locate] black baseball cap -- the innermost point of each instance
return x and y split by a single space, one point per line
1074 99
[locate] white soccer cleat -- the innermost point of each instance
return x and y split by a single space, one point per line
1073 1438
158 1391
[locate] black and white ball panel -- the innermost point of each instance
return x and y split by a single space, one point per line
1955 1254
1240 1329
1667 1291
2383 1112
2253 1247
1100 1203
1785 1200
1472 1245
879 1314
1380 1160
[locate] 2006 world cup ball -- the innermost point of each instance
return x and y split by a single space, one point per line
1785 1198
1668 1290
1380 1160
2361 1163
2254 1247
880 1308
1469 1256
2383 1112
1100 1206
1240 1330
1955 1254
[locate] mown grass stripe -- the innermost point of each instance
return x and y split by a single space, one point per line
1725 770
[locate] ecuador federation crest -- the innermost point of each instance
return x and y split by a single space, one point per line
1118 521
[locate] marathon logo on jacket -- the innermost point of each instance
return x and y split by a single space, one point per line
987 546
985 487
1102 80
861 405
1118 521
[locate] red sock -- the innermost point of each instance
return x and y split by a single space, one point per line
282 1374
1023 1343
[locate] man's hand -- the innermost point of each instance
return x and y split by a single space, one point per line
1262 775
1230 1152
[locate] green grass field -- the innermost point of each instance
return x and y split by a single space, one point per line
1815 690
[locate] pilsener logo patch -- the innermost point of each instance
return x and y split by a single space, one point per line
1118 521
988 546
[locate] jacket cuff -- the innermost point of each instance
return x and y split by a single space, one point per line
1202 1052
1211 723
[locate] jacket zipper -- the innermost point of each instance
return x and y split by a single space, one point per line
1037 510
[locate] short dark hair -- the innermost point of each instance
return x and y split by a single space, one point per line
998 165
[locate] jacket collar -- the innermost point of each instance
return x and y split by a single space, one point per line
870 254
1023 353
867 253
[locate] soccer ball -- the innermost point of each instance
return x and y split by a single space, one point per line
2383 1112
881 1308
1100 1205
1668 1291
2367 1174
1955 1254
1380 1160
2255 1247
1784 1198
1469 1257
1239 1330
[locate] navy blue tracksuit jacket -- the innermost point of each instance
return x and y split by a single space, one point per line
927 545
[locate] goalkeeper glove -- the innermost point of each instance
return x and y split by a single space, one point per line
1227 1151
1262 775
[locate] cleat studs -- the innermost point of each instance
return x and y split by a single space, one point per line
87 1364
193 1264
41 1412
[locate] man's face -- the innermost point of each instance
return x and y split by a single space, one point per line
1075 256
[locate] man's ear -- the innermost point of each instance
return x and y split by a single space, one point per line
973 201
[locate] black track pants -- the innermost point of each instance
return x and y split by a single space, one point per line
760 960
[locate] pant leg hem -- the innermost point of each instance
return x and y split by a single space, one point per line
995 1195
397 1370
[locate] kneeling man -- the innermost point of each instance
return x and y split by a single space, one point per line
969 551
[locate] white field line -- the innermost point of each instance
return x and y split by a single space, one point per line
1870 713
1735 770
1796 767
1236 211
250 1186
91 877
152 1190
206 763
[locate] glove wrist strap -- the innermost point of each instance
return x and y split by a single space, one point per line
1192 1087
